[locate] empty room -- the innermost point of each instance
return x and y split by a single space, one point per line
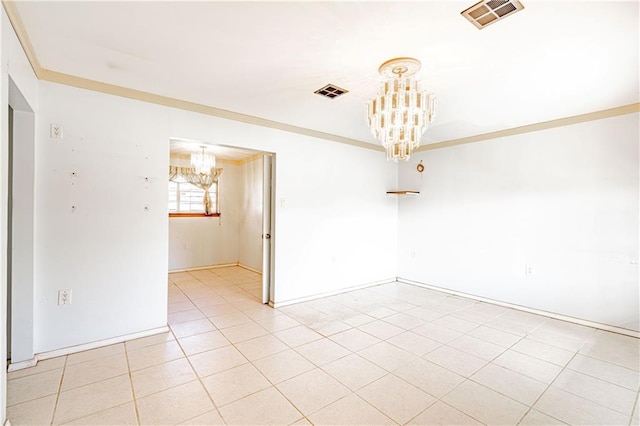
320 212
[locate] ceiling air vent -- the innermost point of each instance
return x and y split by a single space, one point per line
331 91
485 12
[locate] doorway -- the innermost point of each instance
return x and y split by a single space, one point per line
20 230
242 233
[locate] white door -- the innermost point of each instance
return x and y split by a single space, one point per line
266 227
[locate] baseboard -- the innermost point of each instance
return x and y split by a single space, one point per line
606 327
14 366
249 269
100 343
200 268
330 293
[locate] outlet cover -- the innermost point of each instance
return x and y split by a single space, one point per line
64 297
56 131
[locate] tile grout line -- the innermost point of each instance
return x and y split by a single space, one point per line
55 406
563 368
197 307
566 367
100 358
485 323
193 301
215 406
466 333
133 392
354 393
606 362
275 386
545 391
234 346
417 356
351 392
441 345
635 406
551 384
469 379
448 405
329 316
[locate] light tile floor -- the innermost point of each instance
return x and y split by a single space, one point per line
390 354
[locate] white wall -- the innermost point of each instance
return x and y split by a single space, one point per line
204 241
101 218
335 227
250 213
564 201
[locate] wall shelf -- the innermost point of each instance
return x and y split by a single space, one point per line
410 193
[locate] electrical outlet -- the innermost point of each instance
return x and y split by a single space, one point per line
64 297
528 270
56 131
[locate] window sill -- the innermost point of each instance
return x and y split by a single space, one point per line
193 215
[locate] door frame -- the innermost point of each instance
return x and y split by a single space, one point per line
268 206
21 218
268 214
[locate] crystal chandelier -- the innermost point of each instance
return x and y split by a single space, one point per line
203 162
399 115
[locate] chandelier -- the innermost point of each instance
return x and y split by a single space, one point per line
203 162
399 115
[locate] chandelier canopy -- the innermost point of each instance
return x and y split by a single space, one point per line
203 162
402 110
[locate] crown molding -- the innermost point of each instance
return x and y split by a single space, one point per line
125 92
111 89
566 121
23 37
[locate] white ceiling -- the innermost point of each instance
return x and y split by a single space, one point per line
552 60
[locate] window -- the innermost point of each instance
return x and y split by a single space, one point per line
185 198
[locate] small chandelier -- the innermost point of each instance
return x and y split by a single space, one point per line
401 112
203 162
